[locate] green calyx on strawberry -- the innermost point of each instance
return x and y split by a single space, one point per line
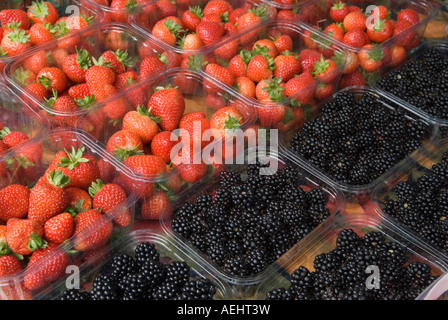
86 102
35 242
339 58
169 86
122 154
19 36
101 62
196 62
83 59
20 161
144 111
45 81
162 58
232 123
197 11
261 11
14 25
4 132
289 116
131 5
378 25
376 54
58 179
124 58
21 75
73 211
224 17
95 187
173 27
338 6
51 101
74 158
61 28
246 56
321 66
274 90
39 9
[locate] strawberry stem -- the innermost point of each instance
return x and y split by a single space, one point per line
58 179
95 187
74 158
35 242
39 9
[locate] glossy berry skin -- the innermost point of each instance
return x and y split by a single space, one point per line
24 235
9 265
59 228
161 145
14 202
84 224
169 105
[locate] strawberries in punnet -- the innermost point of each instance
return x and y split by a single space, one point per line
14 202
24 236
142 123
168 105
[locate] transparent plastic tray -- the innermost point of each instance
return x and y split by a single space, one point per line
166 246
361 194
12 286
243 287
323 240
96 39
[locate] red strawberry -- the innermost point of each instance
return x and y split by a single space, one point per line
121 9
150 67
355 20
157 207
352 79
168 29
48 197
77 165
225 119
192 132
227 51
76 65
403 34
119 60
142 123
41 33
245 86
9 264
190 169
79 196
408 15
308 58
380 30
325 70
79 91
161 145
36 61
251 19
338 11
323 91
356 38
286 66
191 18
42 12
335 31
169 105
271 115
8 16
398 55
24 235
301 88
12 138
260 68
270 90
100 79
92 230
15 41
370 57
235 15
124 144
14 202
283 43
209 31
107 198
59 228
219 7
46 270
52 78
237 65
191 42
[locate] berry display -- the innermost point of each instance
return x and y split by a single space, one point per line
422 204
144 275
253 219
357 139
342 273
422 82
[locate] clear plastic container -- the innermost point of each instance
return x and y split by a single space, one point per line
436 291
41 152
166 246
442 46
147 16
244 287
323 240
66 8
303 96
96 39
17 115
317 14
361 194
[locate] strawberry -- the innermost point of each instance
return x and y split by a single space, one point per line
157 207
308 58
352 79
335 31
251 19
99 75
42 12
301 88
63 106
212 17
41 33
355 20
190 169
146 165
237 65
150 67
235 15
260 68
272 50
169 105
9 264
76 65
408 15
161 145
323 91
15 41
24 76
209 31
192 17
271 115
36 61
370 57
283 43
192 132
12 138
48 197
80 167
59 228
79 197
403 34
92 230
46 270
20 17
190 42
79 91
219 7
245 86
168 30
380 12
338 11
347 58
24 235
227 118
124 144
227 51
142 123
165 8
107 197
52 78
398 55
356 38
286 66
270 90
121 9
14 202
380 30
118 60
325 70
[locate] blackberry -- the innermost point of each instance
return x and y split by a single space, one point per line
327 262
302 278
347 239
280 294
318 213
236 265
392 253
153 273
144 252
229 178
203 202
202 289
404 190
257 260
75 294
133 284
177 273
418 273
123 264
181 225
373 239
104 287
165 291
317 196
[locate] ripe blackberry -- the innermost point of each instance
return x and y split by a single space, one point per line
144 252
236 265
347 239
258 260
318 213
392 253
302 278
418 273
123 264
104 288
165 291
280 294
373 239
404 190
75 294
177 273
327 262
134 285
229 178
203 202
153 273
317 196
181 225
201 289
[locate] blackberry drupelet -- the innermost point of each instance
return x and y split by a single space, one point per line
144 252
201 289
123 264
104 288
75 294
177 273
